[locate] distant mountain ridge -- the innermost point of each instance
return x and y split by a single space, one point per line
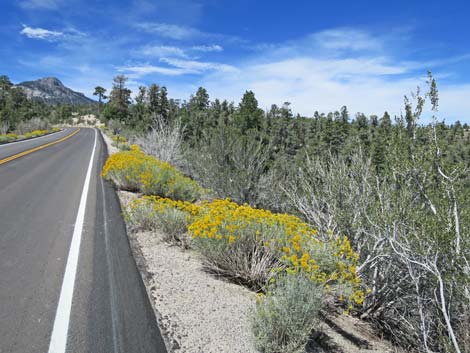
52 91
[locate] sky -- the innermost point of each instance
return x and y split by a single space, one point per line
316 55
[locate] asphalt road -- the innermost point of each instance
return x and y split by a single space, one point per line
40 194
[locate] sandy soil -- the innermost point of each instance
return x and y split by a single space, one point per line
198 312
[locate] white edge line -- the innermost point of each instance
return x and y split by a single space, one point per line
58 341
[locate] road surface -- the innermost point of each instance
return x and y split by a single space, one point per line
47 199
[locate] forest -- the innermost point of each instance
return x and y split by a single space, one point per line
397 187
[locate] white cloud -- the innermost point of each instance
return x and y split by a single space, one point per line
193 66
138 71
161 50
40 33
169 30
177 67
40 4
346 39
68 34
208 48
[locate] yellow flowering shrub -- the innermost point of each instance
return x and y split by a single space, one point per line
133 170
35 133
8 137
251 245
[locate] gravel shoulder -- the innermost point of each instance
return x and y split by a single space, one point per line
198 312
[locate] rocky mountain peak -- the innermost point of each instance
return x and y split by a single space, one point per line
52 91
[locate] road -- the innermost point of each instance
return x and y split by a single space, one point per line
55 211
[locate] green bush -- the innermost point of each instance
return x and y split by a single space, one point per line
283 320
151 213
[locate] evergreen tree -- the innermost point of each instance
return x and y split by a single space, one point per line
119 101
100 92
248 114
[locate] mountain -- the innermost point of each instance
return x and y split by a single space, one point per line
51 91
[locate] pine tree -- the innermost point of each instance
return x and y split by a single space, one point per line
249 115
119 101
100 92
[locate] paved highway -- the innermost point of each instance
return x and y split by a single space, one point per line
68 281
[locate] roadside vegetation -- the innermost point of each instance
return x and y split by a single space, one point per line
371 214
24 130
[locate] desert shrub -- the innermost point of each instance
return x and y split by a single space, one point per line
134 171
8 137
118 141
283 320
230 165
35 133
171 217
252 245
33 124
164 142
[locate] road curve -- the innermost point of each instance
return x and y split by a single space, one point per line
40 195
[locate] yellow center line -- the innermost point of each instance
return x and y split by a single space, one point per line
24 153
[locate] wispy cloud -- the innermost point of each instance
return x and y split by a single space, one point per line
193 66
40 33
138 71
169 30
161 50
346 39
40 4
176 67
208 48
69 33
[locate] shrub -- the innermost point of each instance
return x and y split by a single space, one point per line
35 133
163 142
283 320
230 165
171 217
33 124
8 137
134 171
251 245
118 141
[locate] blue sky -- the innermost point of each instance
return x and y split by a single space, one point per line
317 55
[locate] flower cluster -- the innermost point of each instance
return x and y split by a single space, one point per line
294 242
133 170
162 204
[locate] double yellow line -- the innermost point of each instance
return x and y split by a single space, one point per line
24 153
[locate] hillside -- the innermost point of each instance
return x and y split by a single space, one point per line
52 91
